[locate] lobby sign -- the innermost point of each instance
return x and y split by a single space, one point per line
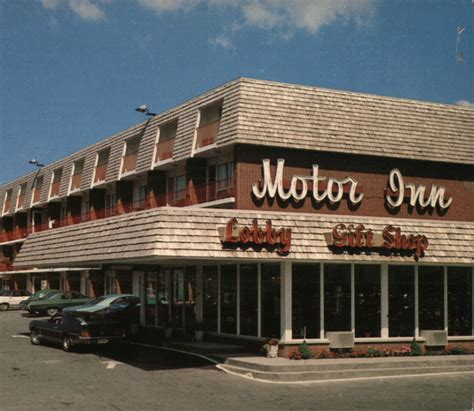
234 234
391 238
333 189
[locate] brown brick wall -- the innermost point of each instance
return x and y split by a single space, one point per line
372 174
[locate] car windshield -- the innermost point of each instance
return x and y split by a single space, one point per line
97 300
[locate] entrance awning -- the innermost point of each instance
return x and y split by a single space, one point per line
179 233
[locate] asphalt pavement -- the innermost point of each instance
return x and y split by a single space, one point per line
144 378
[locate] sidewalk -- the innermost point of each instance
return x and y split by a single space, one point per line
283 370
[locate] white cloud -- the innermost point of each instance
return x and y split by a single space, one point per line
161 6
50 4
86 10
222 41
465 103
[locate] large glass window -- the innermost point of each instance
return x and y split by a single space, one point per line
306 298
401 300
163 296
150 298
431 297
178 298
248 299
270 283
229 299
367 300
337 297
210 301
459 301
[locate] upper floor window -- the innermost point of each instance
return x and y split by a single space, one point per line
8 201
77 175
20 200
209 122
224 175
56 182
38 185
131 153
165 142
101 167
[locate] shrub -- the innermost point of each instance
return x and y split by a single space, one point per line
415 348
374 352
458 350
305 351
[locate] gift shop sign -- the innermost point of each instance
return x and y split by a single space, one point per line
235 234
391 238
333 189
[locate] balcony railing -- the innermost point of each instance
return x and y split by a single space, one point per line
55 189
21 201
129 162
100 173
6 206
76 182
182 198
164 150
5 264
207 134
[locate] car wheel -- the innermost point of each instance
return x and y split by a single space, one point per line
35 337
52 311
4 307
67 343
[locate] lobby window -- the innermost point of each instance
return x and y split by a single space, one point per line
8 201
401 300
270 297
224 174
431 297
210 297
77 175
55 183
306 300
209 122
131 154
179 187
248 299
459 301
101 167
20 201
337 297
229 299
367 300
36 197
165 143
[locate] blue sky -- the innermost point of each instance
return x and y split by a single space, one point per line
72 71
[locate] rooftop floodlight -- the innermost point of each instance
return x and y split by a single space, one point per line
144 109
36 163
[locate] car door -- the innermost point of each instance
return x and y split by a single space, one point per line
49 328
55 331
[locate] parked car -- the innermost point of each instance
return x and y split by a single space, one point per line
56 302
71 330
12 298
38 295
106 301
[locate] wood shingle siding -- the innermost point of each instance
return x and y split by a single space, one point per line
168 232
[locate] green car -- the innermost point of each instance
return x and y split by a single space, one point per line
57 302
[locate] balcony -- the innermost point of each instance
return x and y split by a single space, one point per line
189 196
164 150
36 195
20 201
5 264
6 206
76 182
207 134
100 173
129 162
55 189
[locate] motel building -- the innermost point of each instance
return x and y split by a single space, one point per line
263 209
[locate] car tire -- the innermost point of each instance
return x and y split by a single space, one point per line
35 337
67 343
52 311
4 307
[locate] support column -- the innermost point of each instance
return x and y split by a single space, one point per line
142 292
445 298
384 302
285 301
29 283
84 277
199 296
417 316
136 275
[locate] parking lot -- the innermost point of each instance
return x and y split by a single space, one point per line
136 377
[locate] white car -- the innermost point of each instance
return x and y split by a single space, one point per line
12 298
